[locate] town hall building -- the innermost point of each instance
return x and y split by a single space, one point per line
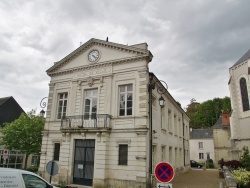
98 127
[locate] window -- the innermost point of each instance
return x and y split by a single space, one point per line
200 145
244 94
62 105
175 125
126 100
201 155
35 160
170 121
33 181
163 118
90 108
56 151
123 154
170 155
163 151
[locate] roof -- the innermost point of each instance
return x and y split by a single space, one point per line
132 48
219 124
243 58
3 100
201 133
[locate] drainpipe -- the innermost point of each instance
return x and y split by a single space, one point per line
183 126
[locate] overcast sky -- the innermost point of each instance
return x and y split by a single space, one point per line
194 42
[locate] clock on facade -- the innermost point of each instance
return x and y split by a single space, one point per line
94 55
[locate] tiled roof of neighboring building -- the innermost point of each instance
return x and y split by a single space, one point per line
243 58
201 133
219 124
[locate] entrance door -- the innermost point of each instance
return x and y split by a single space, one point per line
84 162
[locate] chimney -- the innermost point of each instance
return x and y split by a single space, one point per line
225 118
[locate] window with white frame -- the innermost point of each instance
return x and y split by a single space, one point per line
200 145
62 105
201 155
90 103
125 100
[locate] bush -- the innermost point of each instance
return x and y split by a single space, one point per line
245 158
209 163
234 164
242 177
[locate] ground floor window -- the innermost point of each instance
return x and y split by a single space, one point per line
11 159
123 154
201 155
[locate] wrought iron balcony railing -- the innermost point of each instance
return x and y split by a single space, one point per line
86 121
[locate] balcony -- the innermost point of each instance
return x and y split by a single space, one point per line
85 122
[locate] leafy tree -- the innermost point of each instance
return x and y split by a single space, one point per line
24 134
203 115
245 158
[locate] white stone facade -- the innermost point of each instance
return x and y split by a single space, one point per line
102 98
240 117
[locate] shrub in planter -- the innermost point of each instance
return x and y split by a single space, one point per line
242 177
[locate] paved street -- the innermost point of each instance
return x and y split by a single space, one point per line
196 178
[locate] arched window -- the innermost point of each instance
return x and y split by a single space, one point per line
244 94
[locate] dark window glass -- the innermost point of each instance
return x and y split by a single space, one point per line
244 94
56 151
123 155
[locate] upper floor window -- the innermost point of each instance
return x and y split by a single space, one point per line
62 105
125 99
90 105
244 94
200 145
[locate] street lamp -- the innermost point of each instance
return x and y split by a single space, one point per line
43 104
161 89
161 101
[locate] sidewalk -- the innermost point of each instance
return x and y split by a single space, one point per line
198 178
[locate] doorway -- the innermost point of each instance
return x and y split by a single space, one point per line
84 162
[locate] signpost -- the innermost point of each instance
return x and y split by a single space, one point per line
164 173
164 185
52 169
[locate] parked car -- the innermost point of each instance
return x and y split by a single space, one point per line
20 178
195 164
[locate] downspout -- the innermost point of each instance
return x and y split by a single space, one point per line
183 134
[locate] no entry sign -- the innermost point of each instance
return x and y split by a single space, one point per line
164 172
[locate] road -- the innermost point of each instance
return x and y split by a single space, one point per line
198 178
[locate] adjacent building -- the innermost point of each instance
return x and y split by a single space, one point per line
222 136
201 143
239 86
10 110
97 123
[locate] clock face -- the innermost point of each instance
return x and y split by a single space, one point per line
93 55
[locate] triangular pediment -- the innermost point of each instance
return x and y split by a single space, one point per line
98 52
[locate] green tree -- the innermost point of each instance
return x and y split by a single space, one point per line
24 134
245 159
203 115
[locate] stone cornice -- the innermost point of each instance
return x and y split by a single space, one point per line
90 43
99 65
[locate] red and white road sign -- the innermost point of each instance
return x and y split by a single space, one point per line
164 172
